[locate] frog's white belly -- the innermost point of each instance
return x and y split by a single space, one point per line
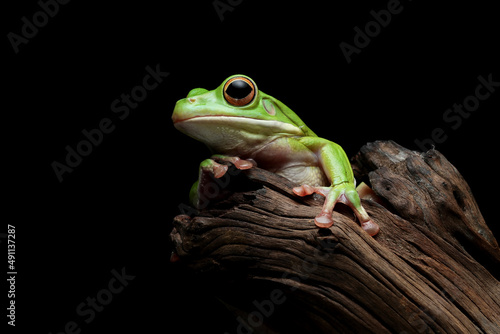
287 157
309 175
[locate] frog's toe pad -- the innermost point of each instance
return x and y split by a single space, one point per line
216 169
236 161
323 220
370 227
243 164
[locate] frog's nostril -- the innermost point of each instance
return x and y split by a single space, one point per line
191 99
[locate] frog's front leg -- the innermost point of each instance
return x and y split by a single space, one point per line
204 188
337 168
236 161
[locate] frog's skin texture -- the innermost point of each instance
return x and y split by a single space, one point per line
245 126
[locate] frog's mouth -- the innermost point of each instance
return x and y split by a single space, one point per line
242 123
228 133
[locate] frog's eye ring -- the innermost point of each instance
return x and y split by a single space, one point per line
239 91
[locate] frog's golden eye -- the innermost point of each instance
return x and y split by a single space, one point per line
239 91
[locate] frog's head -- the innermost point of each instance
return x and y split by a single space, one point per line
235 116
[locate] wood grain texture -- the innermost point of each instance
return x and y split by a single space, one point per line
431 269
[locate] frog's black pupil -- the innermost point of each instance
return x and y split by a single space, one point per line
238 89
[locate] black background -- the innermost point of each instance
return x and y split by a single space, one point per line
115 209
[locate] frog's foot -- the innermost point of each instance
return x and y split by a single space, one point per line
237 162
205 189
209 166
344 193
216 167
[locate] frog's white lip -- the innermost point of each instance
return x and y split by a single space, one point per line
178 120
277 126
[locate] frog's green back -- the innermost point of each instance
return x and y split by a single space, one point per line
294 118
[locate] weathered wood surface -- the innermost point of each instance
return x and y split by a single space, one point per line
431 269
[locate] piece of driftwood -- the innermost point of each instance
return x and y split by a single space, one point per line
433 268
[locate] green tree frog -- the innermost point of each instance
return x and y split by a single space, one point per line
245 126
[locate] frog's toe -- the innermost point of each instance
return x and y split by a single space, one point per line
367 224
324 220
209 166
243 164
305 190
219 171
236 161
370 227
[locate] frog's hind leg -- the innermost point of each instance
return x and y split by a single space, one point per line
351 198
324 219
343 193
